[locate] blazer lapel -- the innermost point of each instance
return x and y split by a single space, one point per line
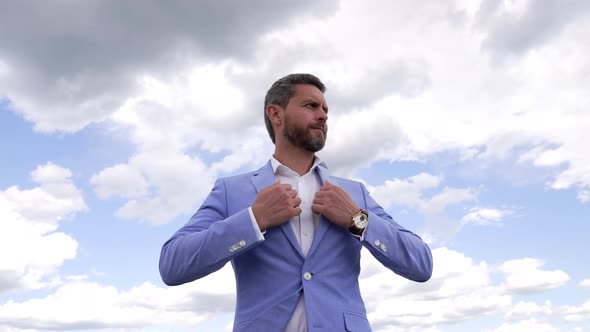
324 224
263 178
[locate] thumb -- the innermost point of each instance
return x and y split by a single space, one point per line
277 182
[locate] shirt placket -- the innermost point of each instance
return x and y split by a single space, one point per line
306 217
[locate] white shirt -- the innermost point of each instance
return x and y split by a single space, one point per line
304 225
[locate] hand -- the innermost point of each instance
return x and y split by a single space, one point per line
335 204
275 205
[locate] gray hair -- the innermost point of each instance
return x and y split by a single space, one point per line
282 90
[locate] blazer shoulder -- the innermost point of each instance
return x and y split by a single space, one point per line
346 182
238 177
243 177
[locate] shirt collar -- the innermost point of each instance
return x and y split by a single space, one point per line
316 162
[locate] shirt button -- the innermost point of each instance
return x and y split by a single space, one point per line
377 243
307 276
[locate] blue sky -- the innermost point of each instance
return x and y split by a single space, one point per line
467 120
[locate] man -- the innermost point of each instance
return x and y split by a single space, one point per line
292 232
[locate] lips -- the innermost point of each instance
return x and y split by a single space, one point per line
320 128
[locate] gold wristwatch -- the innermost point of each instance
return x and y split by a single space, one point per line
359 222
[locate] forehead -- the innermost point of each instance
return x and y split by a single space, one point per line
308 92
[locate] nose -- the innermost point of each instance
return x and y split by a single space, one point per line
322 115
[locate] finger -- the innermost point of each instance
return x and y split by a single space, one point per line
296 211
328 196
316 208
296 201
293 193
285 186
274 185
318 201
320 194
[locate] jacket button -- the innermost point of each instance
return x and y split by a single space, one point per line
383 247
307 276
377 243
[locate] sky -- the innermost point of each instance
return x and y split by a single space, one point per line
468 121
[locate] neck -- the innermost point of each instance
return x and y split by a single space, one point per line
298 160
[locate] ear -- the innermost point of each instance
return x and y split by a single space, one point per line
275 114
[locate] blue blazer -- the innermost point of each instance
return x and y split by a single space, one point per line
272 273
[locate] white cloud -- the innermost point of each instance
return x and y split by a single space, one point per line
197 106
406 192
485 216
189 90
459 290
524 276
577 314
357 138
119 180
526 325
585 283
524 103
415 98
409 192
177 183
28 222
55 199
584 195
10 329
171 123
514 27
448 196
527 309
410 329
142 306
68 75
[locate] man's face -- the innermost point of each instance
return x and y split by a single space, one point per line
306 118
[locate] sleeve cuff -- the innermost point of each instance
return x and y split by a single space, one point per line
362 235
259 234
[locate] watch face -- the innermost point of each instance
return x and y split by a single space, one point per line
360 220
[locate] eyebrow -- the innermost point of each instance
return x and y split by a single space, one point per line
311 100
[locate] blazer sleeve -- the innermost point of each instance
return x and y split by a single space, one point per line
208 241
395 247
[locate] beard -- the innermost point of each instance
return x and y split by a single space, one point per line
304 137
